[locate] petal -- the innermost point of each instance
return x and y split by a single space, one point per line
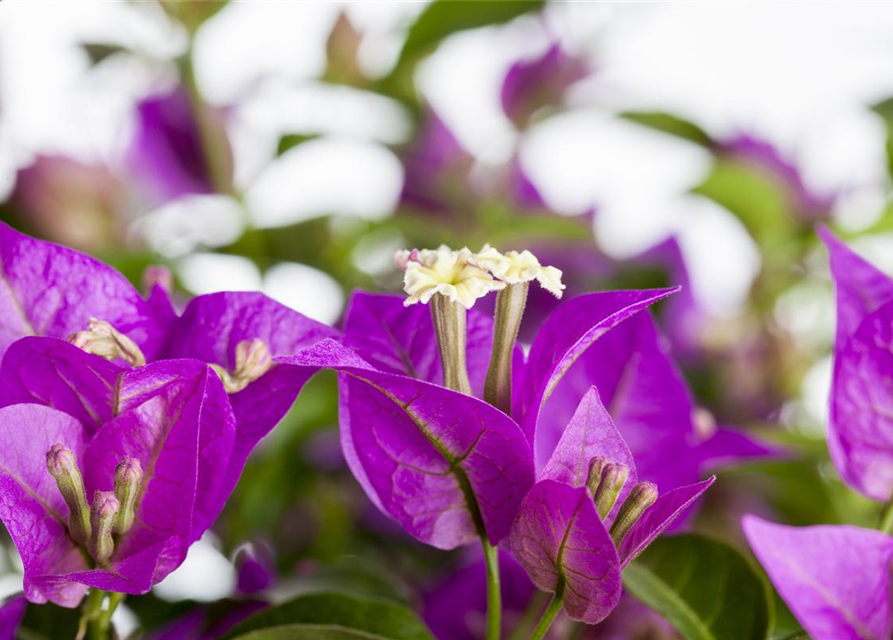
727 447
50 290
441 463
565 337
658 517
558 537
57 374
399 339
11 614
209 330
31 505
860 430
835 579
644 393
135 574
860 286
183 436
590 433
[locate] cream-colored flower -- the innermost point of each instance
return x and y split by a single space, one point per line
514 267
444 271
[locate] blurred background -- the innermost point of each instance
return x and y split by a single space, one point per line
292 147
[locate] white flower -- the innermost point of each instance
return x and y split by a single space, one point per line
444 271
513 267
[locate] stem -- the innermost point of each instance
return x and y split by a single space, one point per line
96 622
494 595
551 611
510 304
449 322
886 523
531 613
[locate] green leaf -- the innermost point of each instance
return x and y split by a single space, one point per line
291 140
438 20
308 632
670 124
704 588
376 616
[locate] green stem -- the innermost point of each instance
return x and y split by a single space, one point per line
510 303
549 615
886 523
96 622
494 595
531 614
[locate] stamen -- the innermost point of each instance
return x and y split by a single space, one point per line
515 267
453 274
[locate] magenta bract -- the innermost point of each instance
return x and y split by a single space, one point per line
835 579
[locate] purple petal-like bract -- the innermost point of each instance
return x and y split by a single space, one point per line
564 338
11 613
835 579
167 152
531 85
859 430
560 540
446 466
50 290
590 433
645 394
658 517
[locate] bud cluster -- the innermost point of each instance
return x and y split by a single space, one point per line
109 514
605 482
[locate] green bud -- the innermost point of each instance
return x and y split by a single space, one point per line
640 498
103 513
606 480
128 477
63 466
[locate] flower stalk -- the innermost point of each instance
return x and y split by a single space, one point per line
510 303
555 605
494 594
449 323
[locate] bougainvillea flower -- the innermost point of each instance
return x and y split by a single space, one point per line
860 426
168 426
50 290
572 542
168 153
835 579
402 341
531 85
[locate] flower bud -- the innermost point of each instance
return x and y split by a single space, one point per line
103 340
606 480
63 466
253 360
128 477
640 498
103 513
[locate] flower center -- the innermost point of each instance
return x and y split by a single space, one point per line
605 481
102 339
